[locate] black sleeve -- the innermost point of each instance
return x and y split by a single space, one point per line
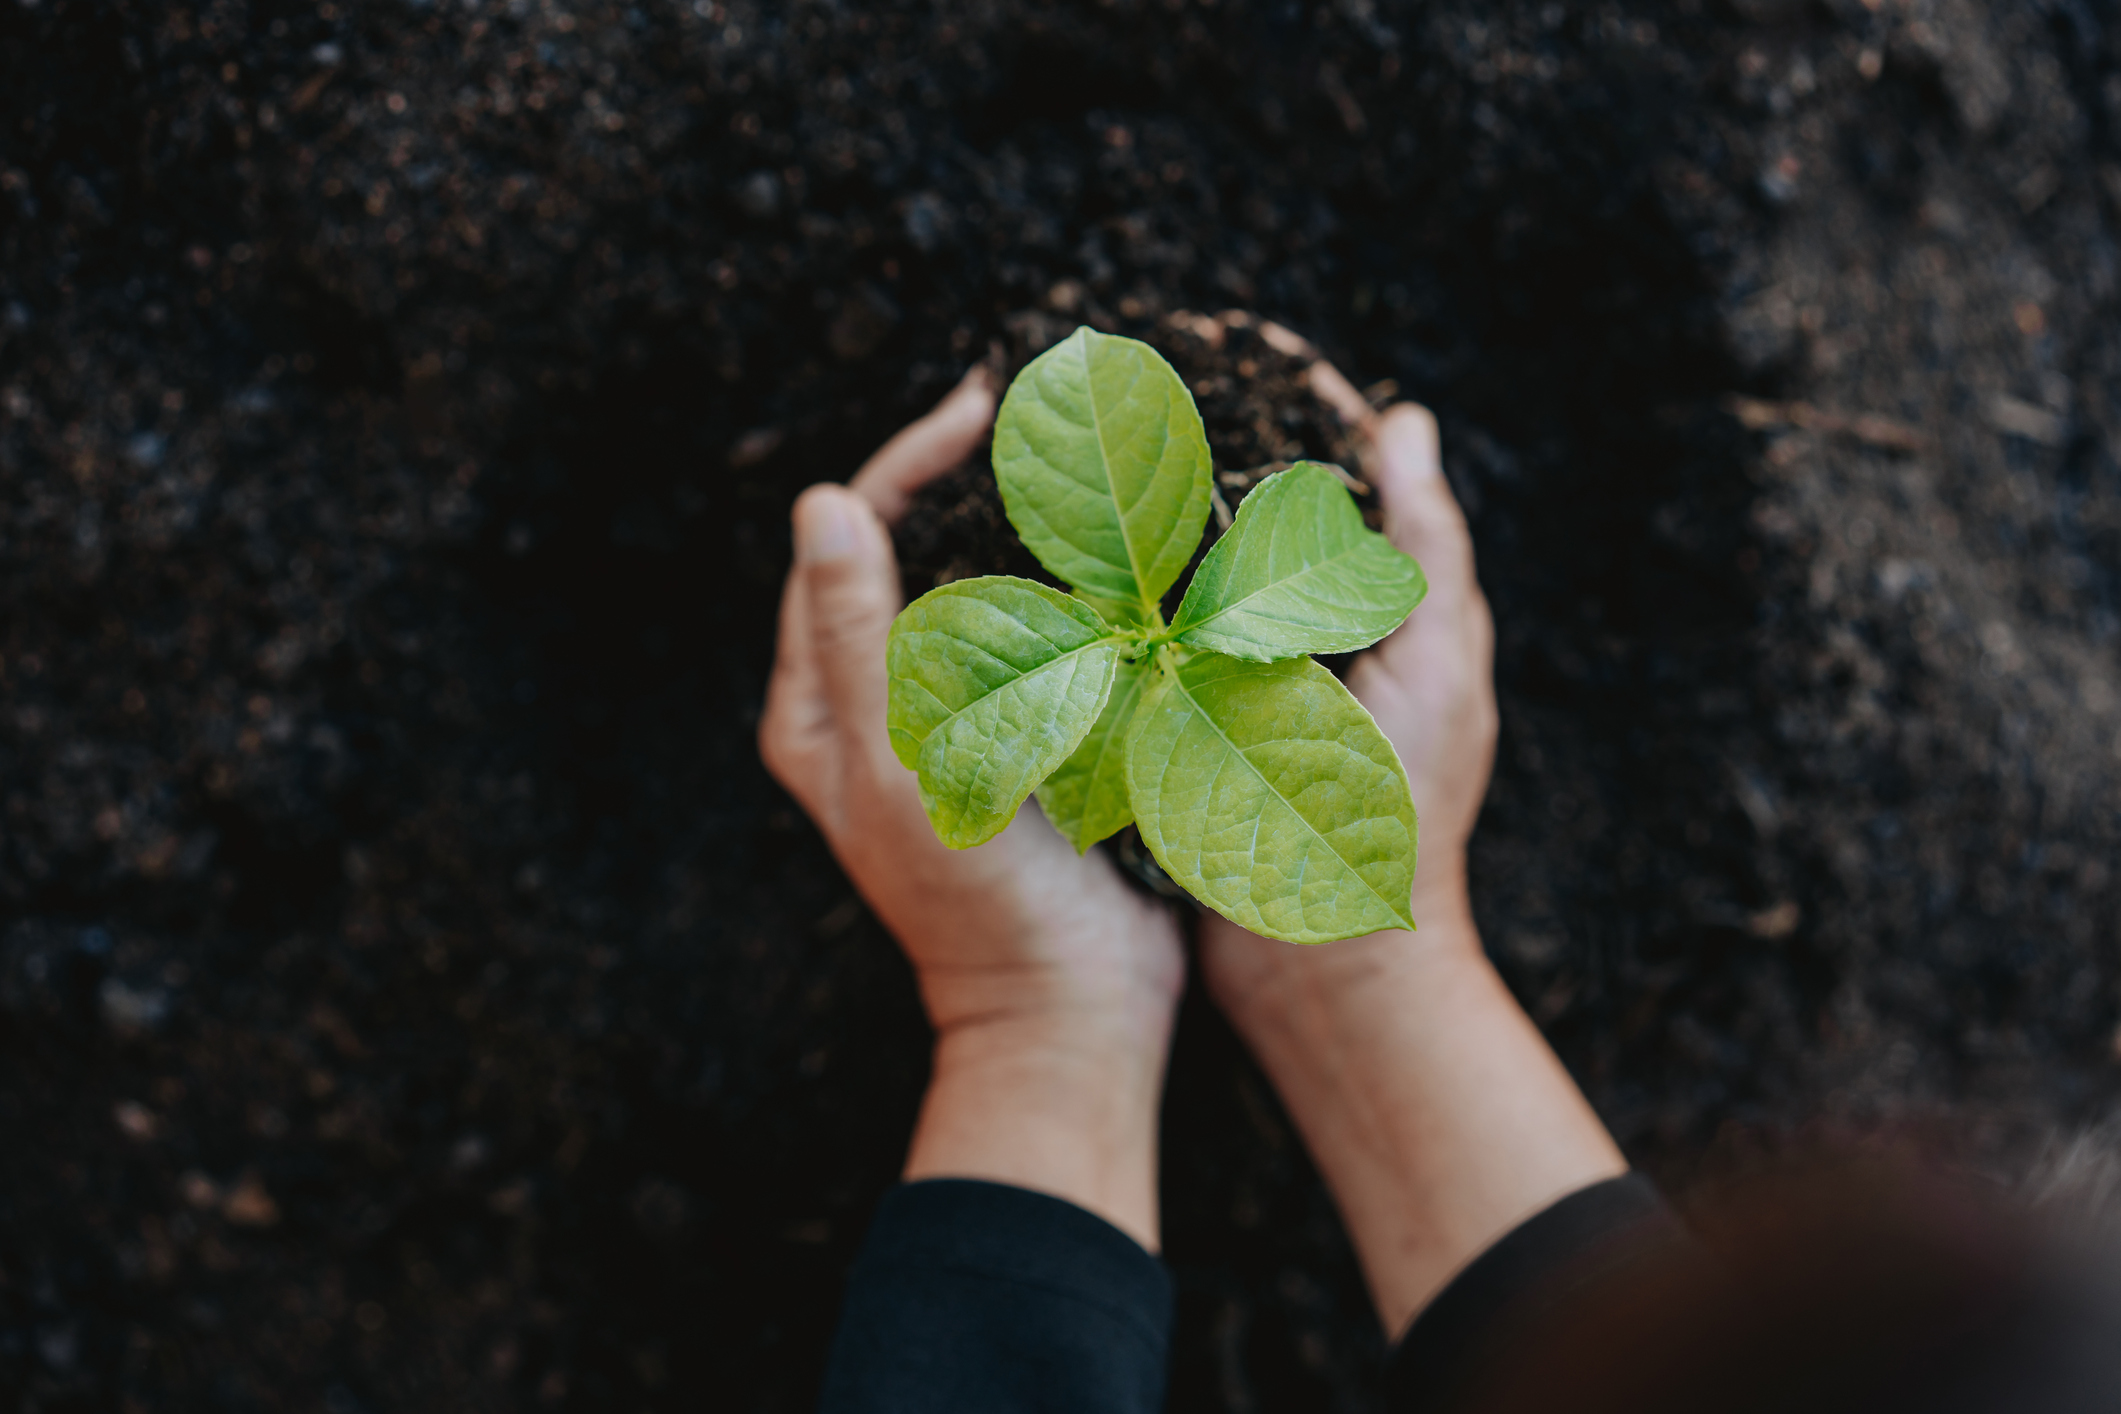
1553 1259
979 1296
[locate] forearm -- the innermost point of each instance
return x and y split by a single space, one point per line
1437 1113
1064 1104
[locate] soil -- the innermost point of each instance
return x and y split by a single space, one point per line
413 994
1255 402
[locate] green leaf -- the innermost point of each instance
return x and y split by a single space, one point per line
1266 792
1103 466
1120 613
1298 573
1086 799
994 682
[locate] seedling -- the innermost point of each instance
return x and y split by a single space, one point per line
1259 783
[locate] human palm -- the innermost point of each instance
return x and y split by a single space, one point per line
1020 924
1429 685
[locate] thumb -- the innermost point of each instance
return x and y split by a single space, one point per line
1422 517
850 588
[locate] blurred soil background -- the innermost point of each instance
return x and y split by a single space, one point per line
414 995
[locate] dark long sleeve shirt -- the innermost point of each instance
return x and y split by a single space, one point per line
971 1296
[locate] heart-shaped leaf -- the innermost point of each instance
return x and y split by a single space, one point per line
994 682
1298 573
1103 467
1086 799
1267 792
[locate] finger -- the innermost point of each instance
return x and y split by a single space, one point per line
926 449
797 713
850 594
1336 392
1284 340
1452 628
1422 517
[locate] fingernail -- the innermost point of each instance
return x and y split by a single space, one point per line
824 527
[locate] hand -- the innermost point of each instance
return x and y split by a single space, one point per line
1050 983
1435 1110
1431 683
1431 687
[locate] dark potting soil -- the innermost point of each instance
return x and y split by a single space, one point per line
1255 404
414 995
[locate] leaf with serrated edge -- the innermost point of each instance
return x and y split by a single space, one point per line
1086 799
1298 573
994 682
1103 467
1267 792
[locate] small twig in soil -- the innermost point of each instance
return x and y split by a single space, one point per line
1223 514
1869 428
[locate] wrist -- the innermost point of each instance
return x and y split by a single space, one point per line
1063 1102
1303 1010
1437 1114
1128 1000
1263 985
1122 1034
1441 895
1069 950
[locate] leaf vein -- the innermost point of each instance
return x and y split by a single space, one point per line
1179 684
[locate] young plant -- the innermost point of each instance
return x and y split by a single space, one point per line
1259 783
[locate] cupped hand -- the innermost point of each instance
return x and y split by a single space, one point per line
1437 1114
1429 684
1050 982
1017 924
